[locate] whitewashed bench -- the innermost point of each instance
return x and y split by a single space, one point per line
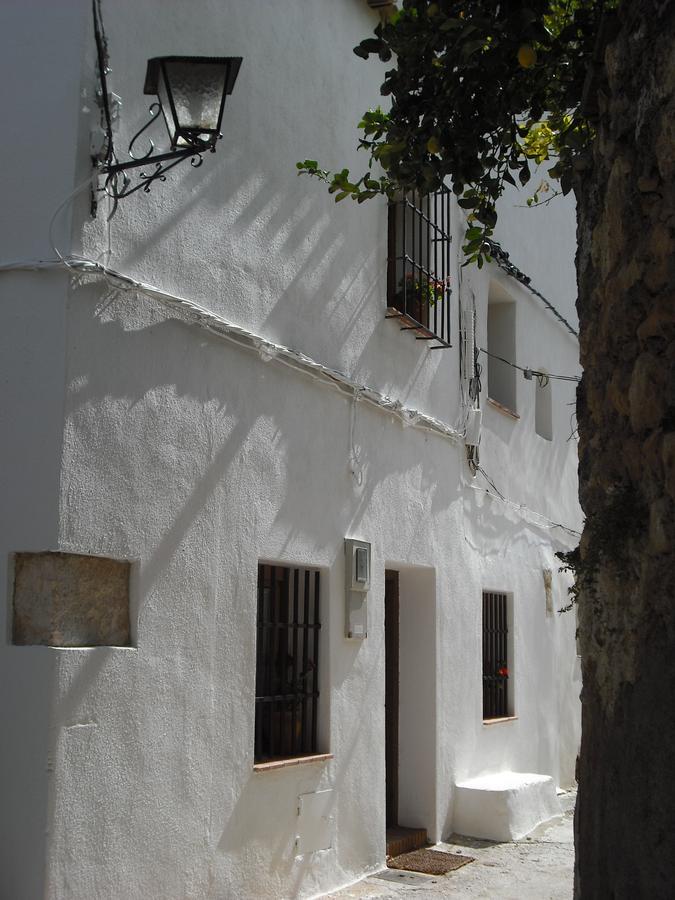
505 806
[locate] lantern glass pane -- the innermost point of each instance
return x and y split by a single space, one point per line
197 91
166 108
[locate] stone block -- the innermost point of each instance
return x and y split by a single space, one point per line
505 806
70 600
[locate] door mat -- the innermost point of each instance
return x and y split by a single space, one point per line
429 862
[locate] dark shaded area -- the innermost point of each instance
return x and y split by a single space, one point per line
625 819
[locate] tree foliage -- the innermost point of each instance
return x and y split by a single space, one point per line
479 92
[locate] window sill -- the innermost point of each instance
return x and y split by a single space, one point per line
274 764
503 409
497 721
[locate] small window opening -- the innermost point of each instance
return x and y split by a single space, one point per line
496 662
287 663
543 408
418 268
501 340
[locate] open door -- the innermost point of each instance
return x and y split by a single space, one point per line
391 690
410 698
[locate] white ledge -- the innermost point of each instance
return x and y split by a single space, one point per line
292 761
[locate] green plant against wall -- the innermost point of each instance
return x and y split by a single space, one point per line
479 93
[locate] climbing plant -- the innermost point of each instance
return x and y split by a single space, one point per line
479 91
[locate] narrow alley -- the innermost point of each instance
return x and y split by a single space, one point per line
538 867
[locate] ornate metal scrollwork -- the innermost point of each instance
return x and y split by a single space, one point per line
118 184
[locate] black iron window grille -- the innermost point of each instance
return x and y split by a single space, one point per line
495 656
418 268
287 663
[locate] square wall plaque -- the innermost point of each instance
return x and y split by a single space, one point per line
70 600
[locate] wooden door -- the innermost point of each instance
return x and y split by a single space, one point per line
391 649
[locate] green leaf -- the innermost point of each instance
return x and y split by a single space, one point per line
452 24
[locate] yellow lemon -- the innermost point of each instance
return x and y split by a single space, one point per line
433 145
433 10
527 56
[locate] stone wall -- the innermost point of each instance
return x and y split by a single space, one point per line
626 264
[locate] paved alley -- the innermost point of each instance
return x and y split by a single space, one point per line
539 867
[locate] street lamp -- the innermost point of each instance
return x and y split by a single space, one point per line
191 93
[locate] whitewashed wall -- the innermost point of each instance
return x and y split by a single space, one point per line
40 70
197 459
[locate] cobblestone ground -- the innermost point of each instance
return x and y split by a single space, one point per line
539 867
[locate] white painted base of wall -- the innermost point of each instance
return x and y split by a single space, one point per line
505 806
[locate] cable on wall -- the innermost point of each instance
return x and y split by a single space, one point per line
528 373
266 349
496 493
501 257
270 351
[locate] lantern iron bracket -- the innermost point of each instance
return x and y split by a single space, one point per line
186 143
113 188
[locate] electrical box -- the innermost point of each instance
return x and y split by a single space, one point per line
474 421
316 822
357 585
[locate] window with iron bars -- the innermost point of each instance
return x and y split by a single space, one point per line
495 656
287 663
418 268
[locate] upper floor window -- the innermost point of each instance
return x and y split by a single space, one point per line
501 345
418 269
287 663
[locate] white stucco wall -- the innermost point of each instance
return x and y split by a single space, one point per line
550 257
196 459
40 69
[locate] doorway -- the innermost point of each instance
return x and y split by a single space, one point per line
391 693
410 707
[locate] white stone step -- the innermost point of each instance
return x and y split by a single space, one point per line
504 806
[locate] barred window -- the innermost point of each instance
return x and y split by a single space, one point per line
287 663
418 269
495 656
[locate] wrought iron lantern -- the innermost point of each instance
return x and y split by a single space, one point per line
191 93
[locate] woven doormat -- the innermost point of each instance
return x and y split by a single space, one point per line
429 862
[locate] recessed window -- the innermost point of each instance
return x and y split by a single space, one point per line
497 700
543 407
501 345
287 663
418 267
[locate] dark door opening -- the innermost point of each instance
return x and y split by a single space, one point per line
391 698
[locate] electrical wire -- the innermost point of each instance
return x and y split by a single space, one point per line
293 359
102 61
355 467
551 523
267 350
538 374
501 258
70 258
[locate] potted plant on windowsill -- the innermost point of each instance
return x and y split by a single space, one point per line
417 294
